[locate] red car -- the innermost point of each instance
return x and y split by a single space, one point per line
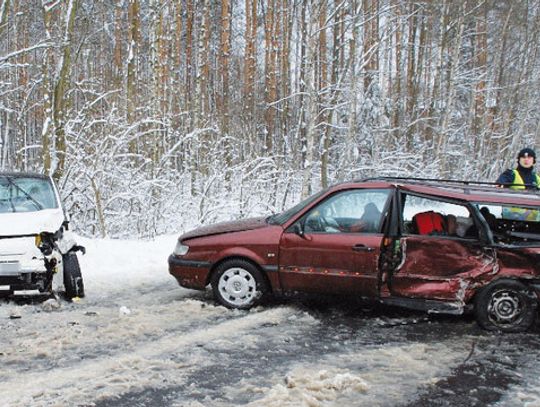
438 246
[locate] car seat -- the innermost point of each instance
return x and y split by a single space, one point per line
428 223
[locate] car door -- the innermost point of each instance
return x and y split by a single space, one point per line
335 246
438 264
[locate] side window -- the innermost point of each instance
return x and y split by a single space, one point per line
426 216
512 224
353 211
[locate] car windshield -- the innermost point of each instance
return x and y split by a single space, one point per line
281 218
26 194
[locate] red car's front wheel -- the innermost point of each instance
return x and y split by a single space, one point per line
238 284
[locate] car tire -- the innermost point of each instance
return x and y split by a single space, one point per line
238 284
73 281
506 306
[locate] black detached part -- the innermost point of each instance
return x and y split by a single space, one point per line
73 281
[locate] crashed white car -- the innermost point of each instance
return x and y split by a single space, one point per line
38 254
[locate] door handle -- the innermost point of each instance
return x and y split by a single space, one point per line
362 248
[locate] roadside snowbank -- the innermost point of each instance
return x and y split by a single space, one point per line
111 266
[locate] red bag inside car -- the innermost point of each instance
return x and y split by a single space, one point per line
429 222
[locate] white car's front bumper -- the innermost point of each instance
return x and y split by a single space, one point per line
22 266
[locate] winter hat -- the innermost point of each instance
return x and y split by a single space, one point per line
527 152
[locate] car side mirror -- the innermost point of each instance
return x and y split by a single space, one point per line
298 229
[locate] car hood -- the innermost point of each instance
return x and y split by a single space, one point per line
226 227
30 223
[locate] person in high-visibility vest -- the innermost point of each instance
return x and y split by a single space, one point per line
523 176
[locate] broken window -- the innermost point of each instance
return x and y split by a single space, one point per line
428 216
512 224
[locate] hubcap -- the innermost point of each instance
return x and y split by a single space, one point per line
237 286
505 308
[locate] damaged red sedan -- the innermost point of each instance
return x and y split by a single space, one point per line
438 246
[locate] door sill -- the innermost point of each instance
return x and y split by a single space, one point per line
429 306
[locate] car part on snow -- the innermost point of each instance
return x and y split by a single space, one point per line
238 284
73 281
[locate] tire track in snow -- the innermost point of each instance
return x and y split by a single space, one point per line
149 364
325 364
47 340
373 375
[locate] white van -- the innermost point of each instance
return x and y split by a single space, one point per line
38 253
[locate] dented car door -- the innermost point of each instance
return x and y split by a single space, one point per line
439 268
438 261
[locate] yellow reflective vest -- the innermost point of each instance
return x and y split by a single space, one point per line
519 180
522 213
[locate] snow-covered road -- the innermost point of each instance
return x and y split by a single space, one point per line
138 339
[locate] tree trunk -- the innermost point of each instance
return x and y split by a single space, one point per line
271 27
47 132
56 85
371 41
411 74
250 63
324 117
60 89
224 56
4 12
437 91
203 69
118 63
190 14
284 63
450 86
396 91
480 66
134 38
312 100
494 119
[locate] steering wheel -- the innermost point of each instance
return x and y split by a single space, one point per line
329 224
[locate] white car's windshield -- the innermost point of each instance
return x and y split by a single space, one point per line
26 194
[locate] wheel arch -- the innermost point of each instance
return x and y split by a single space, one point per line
533 285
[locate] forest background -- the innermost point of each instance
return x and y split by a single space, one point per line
155 116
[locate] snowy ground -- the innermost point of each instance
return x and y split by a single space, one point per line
138 339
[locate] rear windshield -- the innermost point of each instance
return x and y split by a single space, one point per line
26 194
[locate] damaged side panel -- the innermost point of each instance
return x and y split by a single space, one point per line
440 268
519 262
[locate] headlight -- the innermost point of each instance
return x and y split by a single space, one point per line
180 249
45 243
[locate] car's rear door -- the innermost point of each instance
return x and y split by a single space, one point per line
335 246
438 265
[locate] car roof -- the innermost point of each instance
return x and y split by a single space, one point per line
471 191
